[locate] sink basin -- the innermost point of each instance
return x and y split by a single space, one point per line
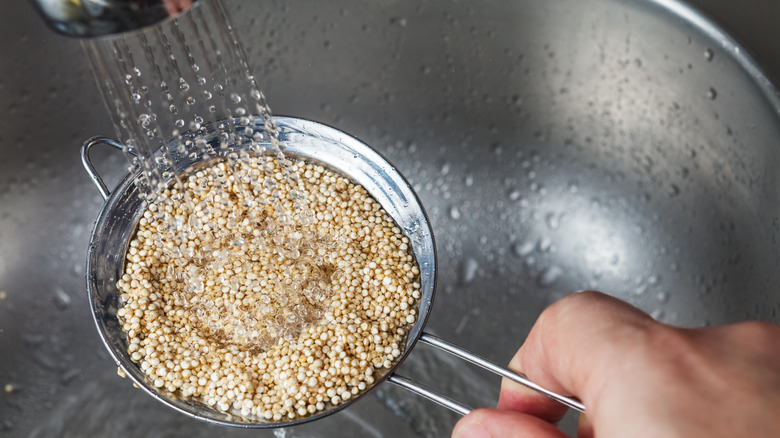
626 146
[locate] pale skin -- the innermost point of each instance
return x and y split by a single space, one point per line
637 377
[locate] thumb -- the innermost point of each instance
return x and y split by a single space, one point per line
497 423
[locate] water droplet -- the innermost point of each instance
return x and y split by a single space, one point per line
548 276
514 195
69 376
674 191
179 123
144 120
183 85
469 181
454 212
652 280
207 94
544 244
663 297
469 269
235 98
173 109
61 299
708 54
553 221
523 249
658 314
201 80
212 109
712 94
190 101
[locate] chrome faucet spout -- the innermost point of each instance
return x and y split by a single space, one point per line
96 18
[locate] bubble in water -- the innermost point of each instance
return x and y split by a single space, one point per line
190 101
198 119
663 297
207 94
183 85
240 111
712 93
469 181
179 123
212 109
201 80
136 97
708 54
173 109
545 244
548 276
235 98
514 195
257 94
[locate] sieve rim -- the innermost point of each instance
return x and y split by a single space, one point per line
116 200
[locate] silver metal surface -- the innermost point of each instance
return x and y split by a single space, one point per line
86 161
96 18
556 145
501 371
423 391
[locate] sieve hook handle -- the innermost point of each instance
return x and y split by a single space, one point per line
87 162
479 361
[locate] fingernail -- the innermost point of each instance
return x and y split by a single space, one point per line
470 430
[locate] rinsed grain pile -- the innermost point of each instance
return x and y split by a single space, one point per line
273 298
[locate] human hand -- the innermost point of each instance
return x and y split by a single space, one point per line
637 377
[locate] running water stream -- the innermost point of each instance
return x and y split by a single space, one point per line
168 82
186 84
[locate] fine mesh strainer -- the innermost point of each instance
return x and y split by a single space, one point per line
312 142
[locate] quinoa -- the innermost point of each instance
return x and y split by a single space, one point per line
270 289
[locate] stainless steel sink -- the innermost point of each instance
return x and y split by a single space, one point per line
628 146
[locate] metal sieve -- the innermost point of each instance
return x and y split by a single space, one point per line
302 139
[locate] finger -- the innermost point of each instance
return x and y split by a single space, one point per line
517 397
584 427
576 345
495 423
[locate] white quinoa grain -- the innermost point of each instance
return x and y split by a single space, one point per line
263 299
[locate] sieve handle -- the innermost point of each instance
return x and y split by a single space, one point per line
87 163
486 364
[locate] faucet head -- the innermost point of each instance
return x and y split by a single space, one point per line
95 18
